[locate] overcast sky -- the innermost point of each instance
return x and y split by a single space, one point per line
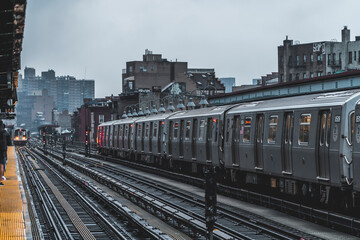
93 39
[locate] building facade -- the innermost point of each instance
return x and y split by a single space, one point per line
302 61
154 72
68 92
229 83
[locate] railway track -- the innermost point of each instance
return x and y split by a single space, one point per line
69 212
345 223
184 209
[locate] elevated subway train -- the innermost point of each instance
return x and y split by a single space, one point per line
306 146
21 136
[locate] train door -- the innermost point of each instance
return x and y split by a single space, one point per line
235 140
323 144
136 136
354 140
259 136
287 142
130 136
142 136
170 137
194 136
159 134
181 139
150 137
209 139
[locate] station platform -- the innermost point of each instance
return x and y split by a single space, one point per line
13 204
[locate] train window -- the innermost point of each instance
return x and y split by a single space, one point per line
351 126
146 130
227 129
187 130
202 130
215 124
273 122
176 129
328 130
155 130
139 130
304 134
322 129
247 130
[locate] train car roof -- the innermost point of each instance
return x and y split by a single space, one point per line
108 123
296 102
209 111
154 117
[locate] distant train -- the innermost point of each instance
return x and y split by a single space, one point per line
21 136
305 146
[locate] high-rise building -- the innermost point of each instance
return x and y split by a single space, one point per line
301 61
67 93
229 83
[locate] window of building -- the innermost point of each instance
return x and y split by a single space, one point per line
350 57
281 60
290 77
319 74
359 56
311 75
319 57
282 78
329 59
101 118
130 68
187 130
143 69
340 58
354 56
304 134
297 76
304 58
290 61
304 75
247 130
311 57
273 121
297 60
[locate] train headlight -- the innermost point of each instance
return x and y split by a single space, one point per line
23 138
16 138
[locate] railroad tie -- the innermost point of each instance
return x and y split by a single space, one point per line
74 217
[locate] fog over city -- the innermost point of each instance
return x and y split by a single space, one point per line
93 39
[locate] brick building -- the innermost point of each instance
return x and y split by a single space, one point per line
301 61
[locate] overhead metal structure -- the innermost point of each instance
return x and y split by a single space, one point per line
12 21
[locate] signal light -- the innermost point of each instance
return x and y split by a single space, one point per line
44 141
214 120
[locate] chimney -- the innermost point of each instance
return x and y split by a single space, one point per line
345 34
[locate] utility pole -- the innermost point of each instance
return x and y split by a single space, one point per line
44 140
87 147
210 201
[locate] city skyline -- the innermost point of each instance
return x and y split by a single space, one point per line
94 40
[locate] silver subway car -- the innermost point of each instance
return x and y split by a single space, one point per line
306 146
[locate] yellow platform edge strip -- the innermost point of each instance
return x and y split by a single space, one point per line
12 224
